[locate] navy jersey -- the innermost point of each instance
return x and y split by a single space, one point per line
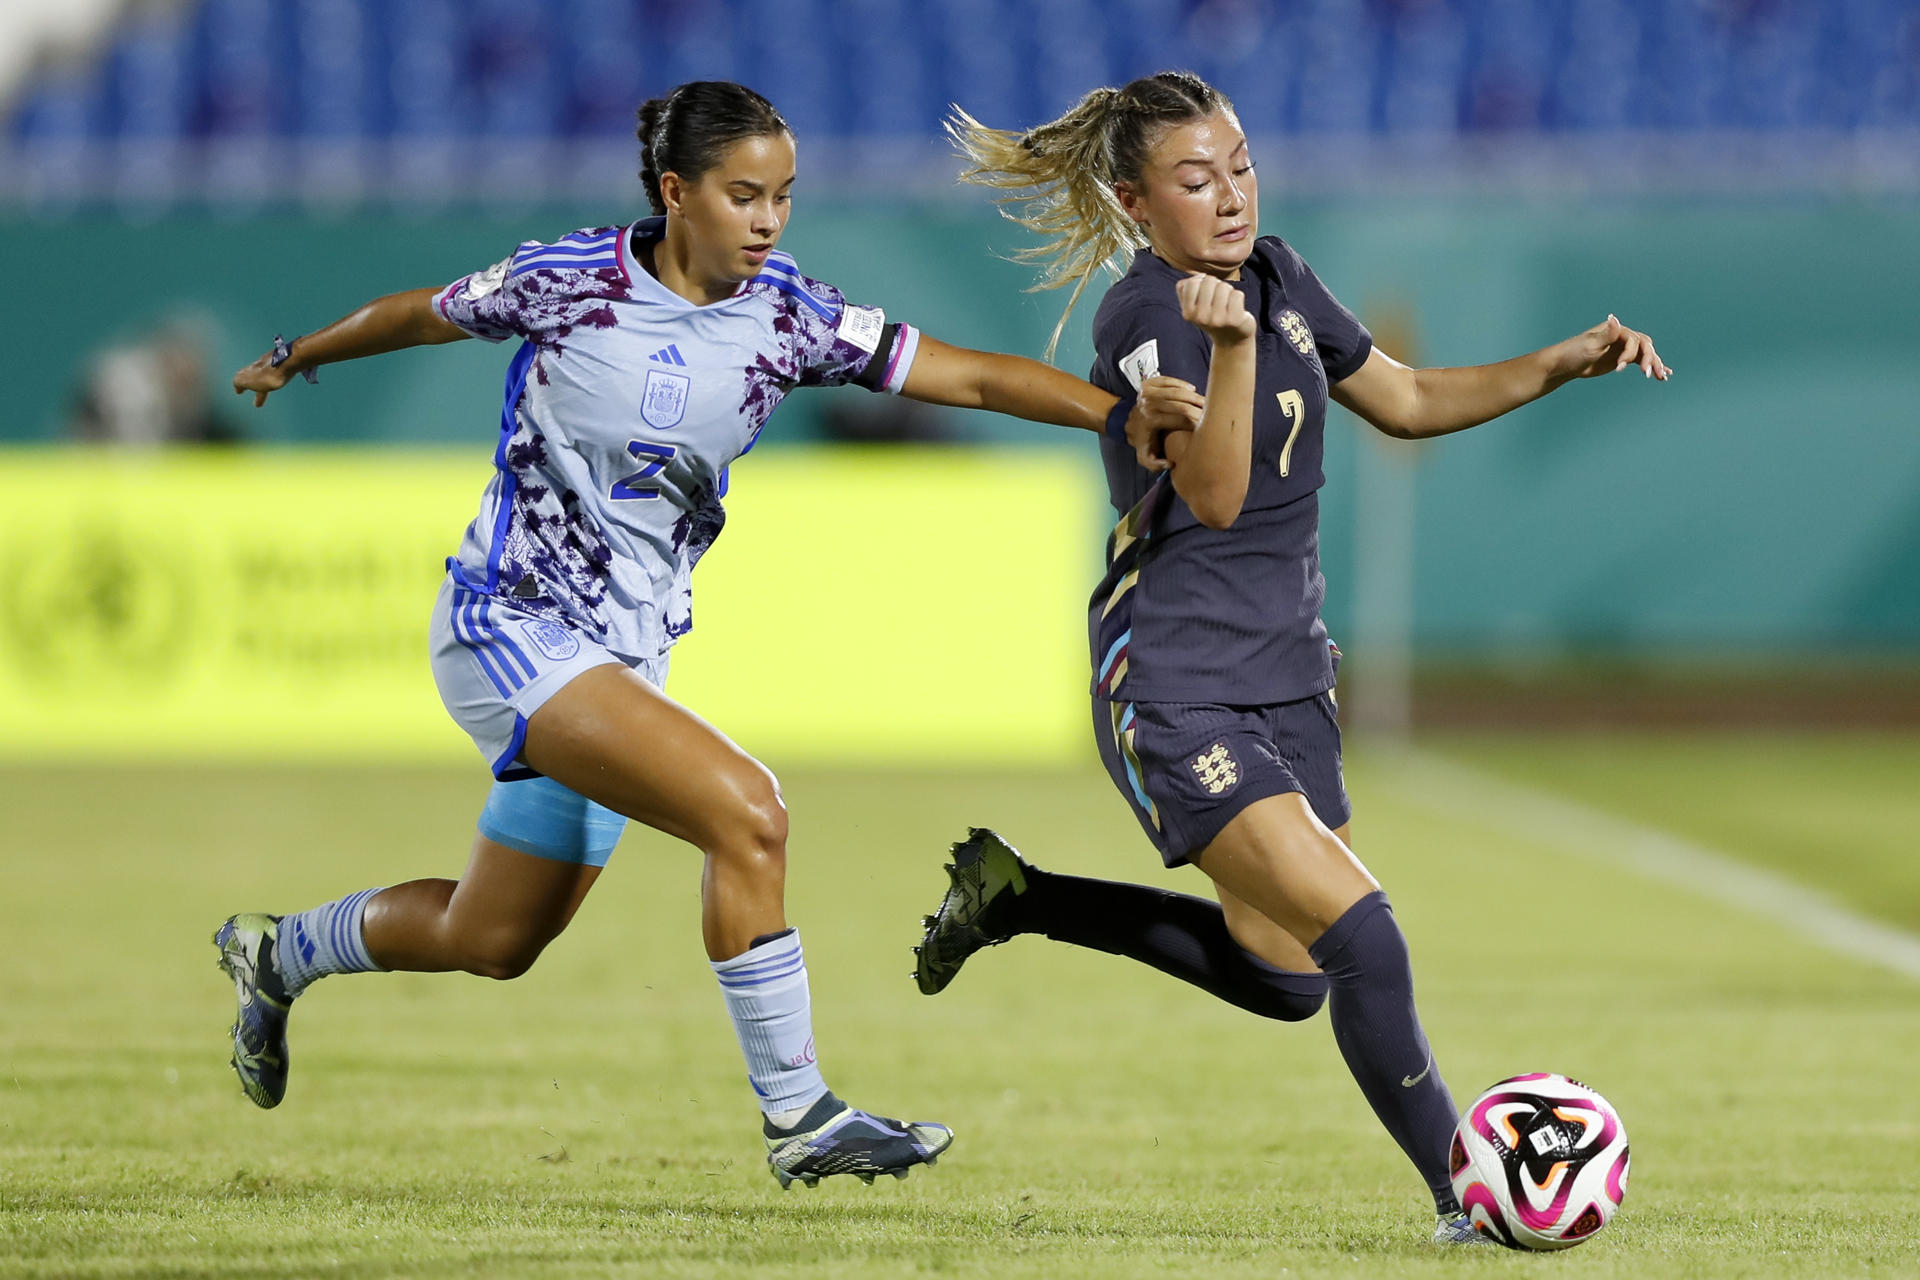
1191 614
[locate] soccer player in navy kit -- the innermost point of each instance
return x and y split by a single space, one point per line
651 356
1213 673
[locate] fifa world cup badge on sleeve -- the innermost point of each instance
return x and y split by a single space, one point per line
664 401
861 326
1142 362
482 283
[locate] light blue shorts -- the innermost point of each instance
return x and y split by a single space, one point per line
496 665
543 818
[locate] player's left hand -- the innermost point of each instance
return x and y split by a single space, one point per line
1609 347
1165 404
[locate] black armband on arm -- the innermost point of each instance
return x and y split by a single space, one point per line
875 373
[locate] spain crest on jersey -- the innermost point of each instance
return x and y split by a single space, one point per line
663 401
1294 325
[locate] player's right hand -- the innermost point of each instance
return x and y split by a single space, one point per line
1164 405
1215 307
262 378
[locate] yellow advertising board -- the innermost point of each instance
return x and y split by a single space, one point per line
910 605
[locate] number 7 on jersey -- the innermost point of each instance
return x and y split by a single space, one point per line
1294 405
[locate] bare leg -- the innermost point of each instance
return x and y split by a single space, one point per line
617 740
614 738
494 921
1262 936
1279 859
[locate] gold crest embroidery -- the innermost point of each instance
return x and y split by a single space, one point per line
1295 327
1216 768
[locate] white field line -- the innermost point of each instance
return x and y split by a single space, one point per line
1443 786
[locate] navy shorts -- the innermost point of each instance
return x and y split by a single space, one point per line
1188 768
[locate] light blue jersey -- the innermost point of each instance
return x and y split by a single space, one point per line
624 407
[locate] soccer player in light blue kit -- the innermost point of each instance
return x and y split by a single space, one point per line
651 357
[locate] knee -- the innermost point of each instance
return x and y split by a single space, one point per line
504 954
1285 995
1291 1005
753 830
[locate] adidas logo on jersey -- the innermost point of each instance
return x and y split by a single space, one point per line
668 355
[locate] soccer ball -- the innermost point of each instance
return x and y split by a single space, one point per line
1539 1162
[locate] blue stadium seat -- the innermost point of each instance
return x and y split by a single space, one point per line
352 71
1340 54
427 76
67 103
1594 83
603 54
244 53
150 79
511 63
1425 72
338 91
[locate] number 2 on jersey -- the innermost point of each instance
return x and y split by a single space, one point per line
1294 405
655 456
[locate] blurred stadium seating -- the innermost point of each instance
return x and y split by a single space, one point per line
373 95
1475 177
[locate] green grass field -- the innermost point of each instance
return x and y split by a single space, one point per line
592 1118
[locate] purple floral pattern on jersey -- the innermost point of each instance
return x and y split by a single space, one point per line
811 351
555 559
550 552
529 297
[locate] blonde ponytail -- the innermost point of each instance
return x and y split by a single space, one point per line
1059 178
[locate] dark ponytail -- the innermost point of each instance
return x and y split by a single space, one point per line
688 130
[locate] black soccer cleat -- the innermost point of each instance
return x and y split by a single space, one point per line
985 876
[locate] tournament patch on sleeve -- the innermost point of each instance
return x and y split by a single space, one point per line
1142 362
482 283
861 326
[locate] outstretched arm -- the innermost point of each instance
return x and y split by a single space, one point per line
386 324
968 379
1413 404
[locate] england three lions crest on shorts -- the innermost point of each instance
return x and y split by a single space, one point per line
1216 768
1295 327
663 402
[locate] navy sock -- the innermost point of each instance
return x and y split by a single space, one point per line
1180 935
1364 956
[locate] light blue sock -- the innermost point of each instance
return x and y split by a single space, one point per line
772 1011
326 939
